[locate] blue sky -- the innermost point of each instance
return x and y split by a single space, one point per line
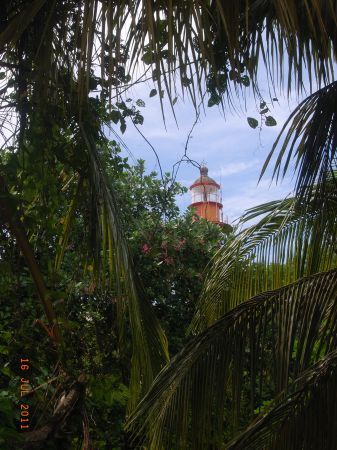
233 152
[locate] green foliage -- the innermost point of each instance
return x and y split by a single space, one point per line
269 121
253 123
107 398
87 304
61 65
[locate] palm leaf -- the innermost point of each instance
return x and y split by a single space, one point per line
223 35
311 141
63 239
218 38
290 240
223 373
150 350
304 418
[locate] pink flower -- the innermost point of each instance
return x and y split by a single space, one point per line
146 248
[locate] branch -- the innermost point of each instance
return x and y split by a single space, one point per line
63 410
8 214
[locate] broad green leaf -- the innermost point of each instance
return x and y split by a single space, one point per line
123 127
270 121
253 123
115 116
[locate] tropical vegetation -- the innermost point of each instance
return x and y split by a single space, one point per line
258 368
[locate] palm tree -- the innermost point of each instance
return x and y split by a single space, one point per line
53 53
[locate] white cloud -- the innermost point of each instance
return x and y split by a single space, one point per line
233 168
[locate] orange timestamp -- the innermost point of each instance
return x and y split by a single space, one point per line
24 388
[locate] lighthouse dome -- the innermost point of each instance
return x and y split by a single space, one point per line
204 179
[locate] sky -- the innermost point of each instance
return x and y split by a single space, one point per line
233 152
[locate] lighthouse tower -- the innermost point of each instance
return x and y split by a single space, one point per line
206 197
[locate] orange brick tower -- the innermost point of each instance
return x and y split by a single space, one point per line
206 197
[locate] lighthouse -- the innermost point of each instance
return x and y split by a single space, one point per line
206 198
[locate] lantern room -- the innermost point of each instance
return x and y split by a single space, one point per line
206 197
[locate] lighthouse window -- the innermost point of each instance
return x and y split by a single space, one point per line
213 197
199 196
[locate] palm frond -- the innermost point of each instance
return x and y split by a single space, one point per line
311 142
252 353
290 241
219 40
150 348
303 417
63 239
